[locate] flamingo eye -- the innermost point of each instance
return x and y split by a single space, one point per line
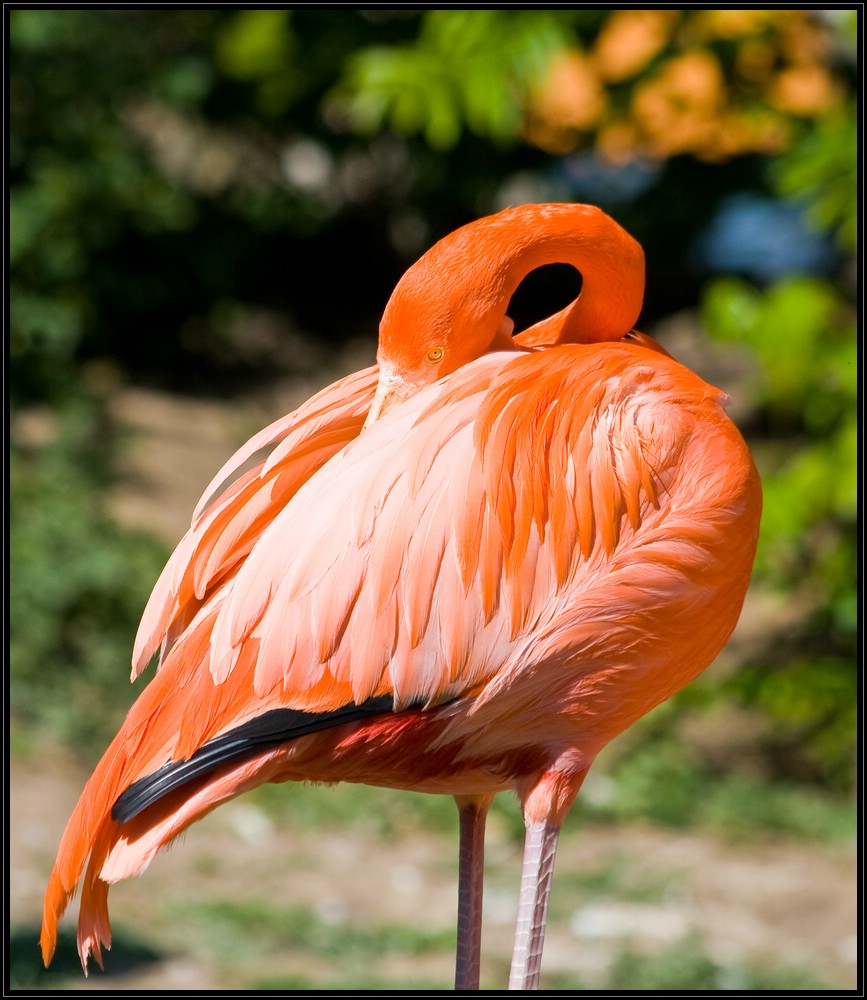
435 354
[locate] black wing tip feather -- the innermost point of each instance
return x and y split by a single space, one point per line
280 725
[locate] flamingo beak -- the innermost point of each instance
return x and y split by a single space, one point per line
390 390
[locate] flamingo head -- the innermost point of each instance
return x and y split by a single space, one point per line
441 316
449 308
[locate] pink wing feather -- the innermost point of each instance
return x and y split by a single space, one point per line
461 542
227 524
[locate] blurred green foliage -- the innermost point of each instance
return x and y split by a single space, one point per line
79 585
240 940
214 161
802 333
734 804
453 76
686 965
822 169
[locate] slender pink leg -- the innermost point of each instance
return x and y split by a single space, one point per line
540 848
473 810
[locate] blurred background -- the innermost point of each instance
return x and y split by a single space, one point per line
208 211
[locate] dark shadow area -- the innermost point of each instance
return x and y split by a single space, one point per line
543 292
26 972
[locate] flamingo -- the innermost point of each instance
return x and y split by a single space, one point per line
462 571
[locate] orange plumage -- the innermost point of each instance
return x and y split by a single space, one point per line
464 571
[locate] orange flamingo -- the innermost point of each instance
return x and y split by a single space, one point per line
462 573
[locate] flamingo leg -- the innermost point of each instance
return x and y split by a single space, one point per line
473 811
540 848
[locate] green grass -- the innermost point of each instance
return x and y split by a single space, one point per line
226 925
618 878
660 782
685 966
364 981
241 937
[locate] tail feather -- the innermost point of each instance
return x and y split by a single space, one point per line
57 897
139 747
79 840
251 752
87 833
94 926
119 852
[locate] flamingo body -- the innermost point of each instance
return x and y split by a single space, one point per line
517 559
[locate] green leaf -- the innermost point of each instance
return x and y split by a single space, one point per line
466 70
823 171
255 44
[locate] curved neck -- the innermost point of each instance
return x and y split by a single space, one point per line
610 261
458 293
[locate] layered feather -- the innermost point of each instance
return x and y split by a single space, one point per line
227 522
506 541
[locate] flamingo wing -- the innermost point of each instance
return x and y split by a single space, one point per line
236 506
522 519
